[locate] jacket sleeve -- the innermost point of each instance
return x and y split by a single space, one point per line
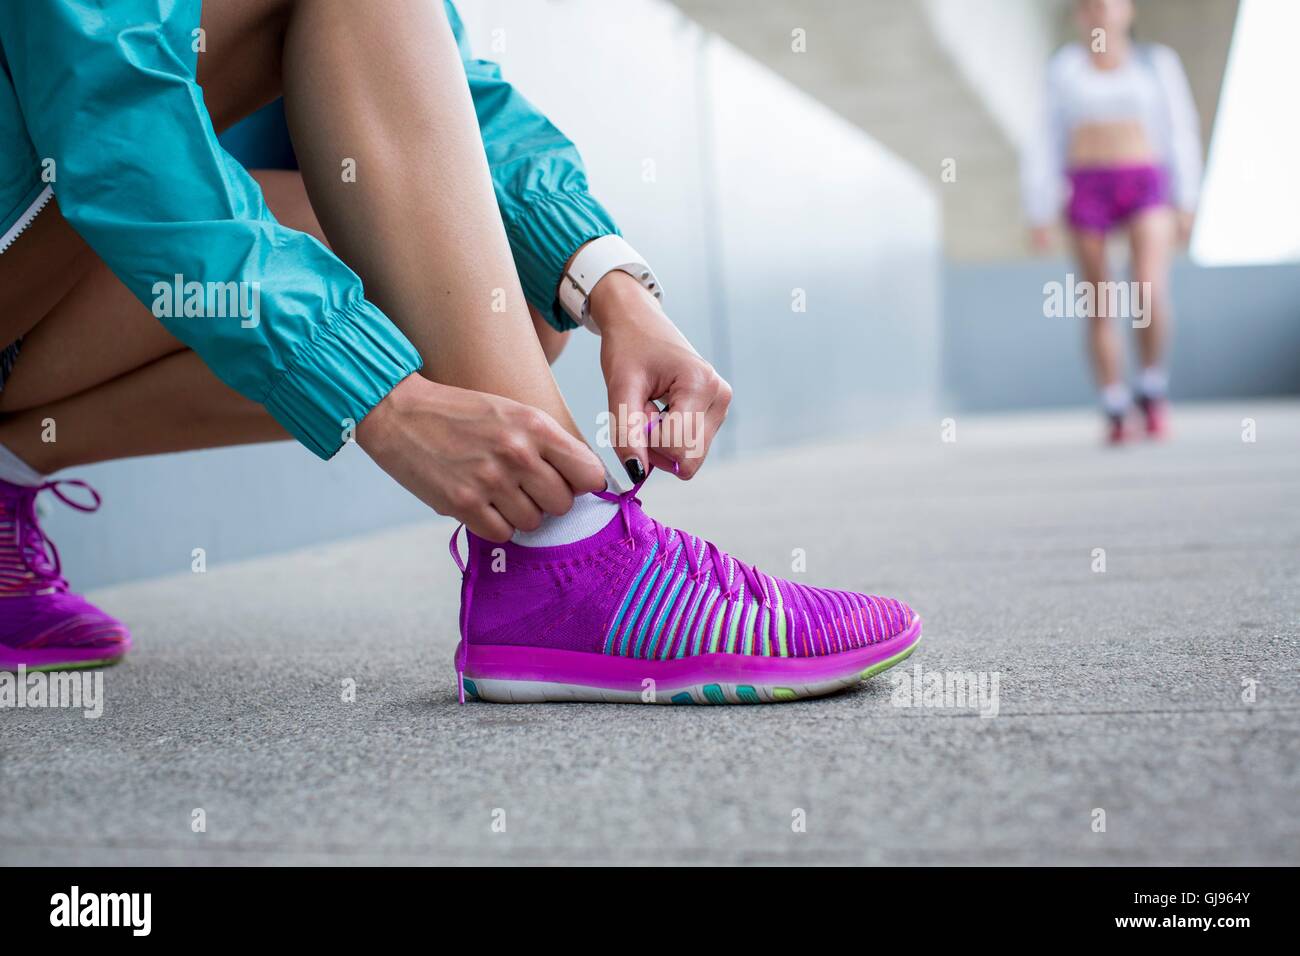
1042 164
1181 143
540 182
108 92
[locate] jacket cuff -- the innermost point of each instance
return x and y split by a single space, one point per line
355 358
544 236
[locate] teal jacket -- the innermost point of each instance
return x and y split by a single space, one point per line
99 104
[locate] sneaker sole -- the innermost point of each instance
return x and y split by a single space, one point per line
57 659
528 675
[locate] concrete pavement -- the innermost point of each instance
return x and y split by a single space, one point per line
1124 690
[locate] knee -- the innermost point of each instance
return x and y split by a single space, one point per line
1152 287
1155 280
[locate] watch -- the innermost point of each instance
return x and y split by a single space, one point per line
593 262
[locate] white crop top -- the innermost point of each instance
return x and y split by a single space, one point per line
1150 87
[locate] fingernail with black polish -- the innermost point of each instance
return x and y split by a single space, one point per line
634 470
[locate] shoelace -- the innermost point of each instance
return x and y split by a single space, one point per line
38 554
467 595
663 535
748 574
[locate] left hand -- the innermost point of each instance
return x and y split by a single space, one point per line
646 359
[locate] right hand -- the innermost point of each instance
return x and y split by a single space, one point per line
493 463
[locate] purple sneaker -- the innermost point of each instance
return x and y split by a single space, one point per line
42 625
640 612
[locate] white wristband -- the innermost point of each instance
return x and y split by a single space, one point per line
593 262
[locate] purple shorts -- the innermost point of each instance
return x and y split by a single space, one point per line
1103 197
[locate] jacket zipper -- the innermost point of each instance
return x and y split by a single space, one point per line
26 218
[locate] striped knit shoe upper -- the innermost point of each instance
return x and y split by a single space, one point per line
643 591
42 624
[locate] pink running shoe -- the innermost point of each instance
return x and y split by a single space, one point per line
1156 413
643 613
42 625
1117 430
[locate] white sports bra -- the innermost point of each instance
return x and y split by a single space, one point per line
1150 88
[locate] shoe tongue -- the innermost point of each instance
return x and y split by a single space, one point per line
26 555
638 513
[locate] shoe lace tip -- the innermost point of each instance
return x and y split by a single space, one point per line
461 657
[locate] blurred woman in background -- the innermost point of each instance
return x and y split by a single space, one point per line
1122 129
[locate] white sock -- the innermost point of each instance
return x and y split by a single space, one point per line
16 471
587 516
1153 382
1116 399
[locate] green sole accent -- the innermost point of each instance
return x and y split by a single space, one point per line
747 695
682 698
471 688
784 693
889 662
75 666
713 693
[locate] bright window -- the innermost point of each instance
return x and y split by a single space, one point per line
1250 205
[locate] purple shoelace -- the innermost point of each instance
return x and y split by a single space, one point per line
462 647
35 557
690 546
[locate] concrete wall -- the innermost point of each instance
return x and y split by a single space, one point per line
1236 334
1001 47
959 80
883 65
738 188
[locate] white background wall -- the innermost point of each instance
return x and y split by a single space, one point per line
756 191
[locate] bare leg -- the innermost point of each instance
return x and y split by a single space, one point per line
286 195
1152 235
1103 342
420 224
99 330
116 384
95 333
173 404
37 271
552 342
